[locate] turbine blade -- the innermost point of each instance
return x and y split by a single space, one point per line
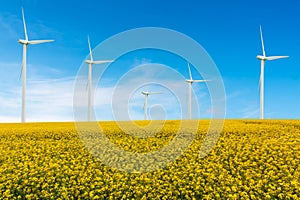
21 72
87 85
190 71
24 24
259 82
23 61
200 81
155 93
91 55
39 41
262 42
102 61
275 57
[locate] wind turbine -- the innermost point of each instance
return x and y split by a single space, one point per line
147 93
25 42
263 58
190 82
91 61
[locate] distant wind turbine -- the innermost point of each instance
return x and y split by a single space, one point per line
25 42
91 61
146 101
190 82
263 58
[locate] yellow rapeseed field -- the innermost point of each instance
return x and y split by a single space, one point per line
252 160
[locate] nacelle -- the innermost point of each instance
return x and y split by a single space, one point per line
259 57
23 41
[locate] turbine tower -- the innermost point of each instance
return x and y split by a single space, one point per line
146 101
25 42
90 62
190 82
263 58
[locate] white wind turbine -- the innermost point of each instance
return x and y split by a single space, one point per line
263 58
190 82
147 93
91 61
25 42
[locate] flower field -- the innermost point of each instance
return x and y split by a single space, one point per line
252 160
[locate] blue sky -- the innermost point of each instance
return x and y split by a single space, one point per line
228 31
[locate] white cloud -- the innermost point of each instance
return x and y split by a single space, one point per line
7 21
250 112
51 99
47 100
126 101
